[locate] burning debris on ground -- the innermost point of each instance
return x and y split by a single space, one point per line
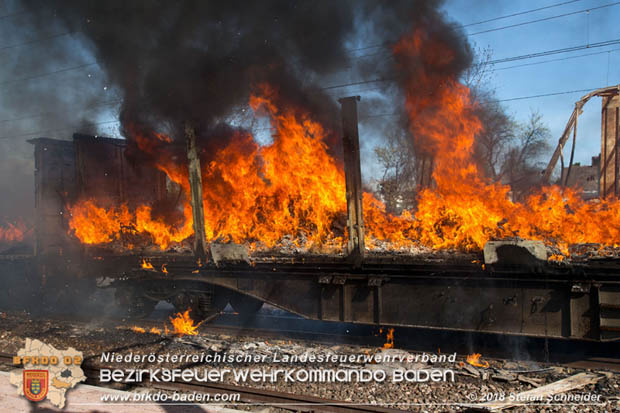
474 374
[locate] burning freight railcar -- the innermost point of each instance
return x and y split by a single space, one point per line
289 214
320 284
89 167
293 190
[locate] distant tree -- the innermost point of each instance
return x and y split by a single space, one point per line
493 142
396 187
524 158
505 151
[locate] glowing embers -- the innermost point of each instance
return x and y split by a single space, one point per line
142 330
13 231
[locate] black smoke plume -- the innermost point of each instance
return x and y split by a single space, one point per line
171 62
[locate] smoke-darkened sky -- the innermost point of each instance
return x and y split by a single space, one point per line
84 66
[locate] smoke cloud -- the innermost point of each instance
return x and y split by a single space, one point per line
170 62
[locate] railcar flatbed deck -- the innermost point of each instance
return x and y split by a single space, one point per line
578 300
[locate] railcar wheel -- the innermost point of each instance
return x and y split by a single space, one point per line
133 304
245 305
200 304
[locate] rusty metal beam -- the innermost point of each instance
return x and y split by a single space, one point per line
609 146
617 149
558 150
604 159
572 153
353 175
557 154
195 184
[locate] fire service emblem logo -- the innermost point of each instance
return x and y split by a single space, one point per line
36 384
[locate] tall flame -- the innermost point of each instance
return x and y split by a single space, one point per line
389 339
251 192
462 210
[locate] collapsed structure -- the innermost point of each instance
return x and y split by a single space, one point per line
608 164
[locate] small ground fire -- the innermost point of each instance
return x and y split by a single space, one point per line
183 324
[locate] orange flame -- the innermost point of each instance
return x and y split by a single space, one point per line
137 329
184 325
389 339
462 210
155 330
556 258
93 224
474 360
251 192
293 188
146 265
13 231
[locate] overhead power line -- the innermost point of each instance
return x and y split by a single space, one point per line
521 13
43 39
44 114
42 132
18 13
362 82
541 96
379 115
23 79
386 44
556 51
497 61
554 60
545 19
370 47
474 24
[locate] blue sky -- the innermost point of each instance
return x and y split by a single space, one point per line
580 73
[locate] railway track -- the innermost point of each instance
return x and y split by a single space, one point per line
272 327
576 354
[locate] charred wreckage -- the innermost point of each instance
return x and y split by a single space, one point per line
510 289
